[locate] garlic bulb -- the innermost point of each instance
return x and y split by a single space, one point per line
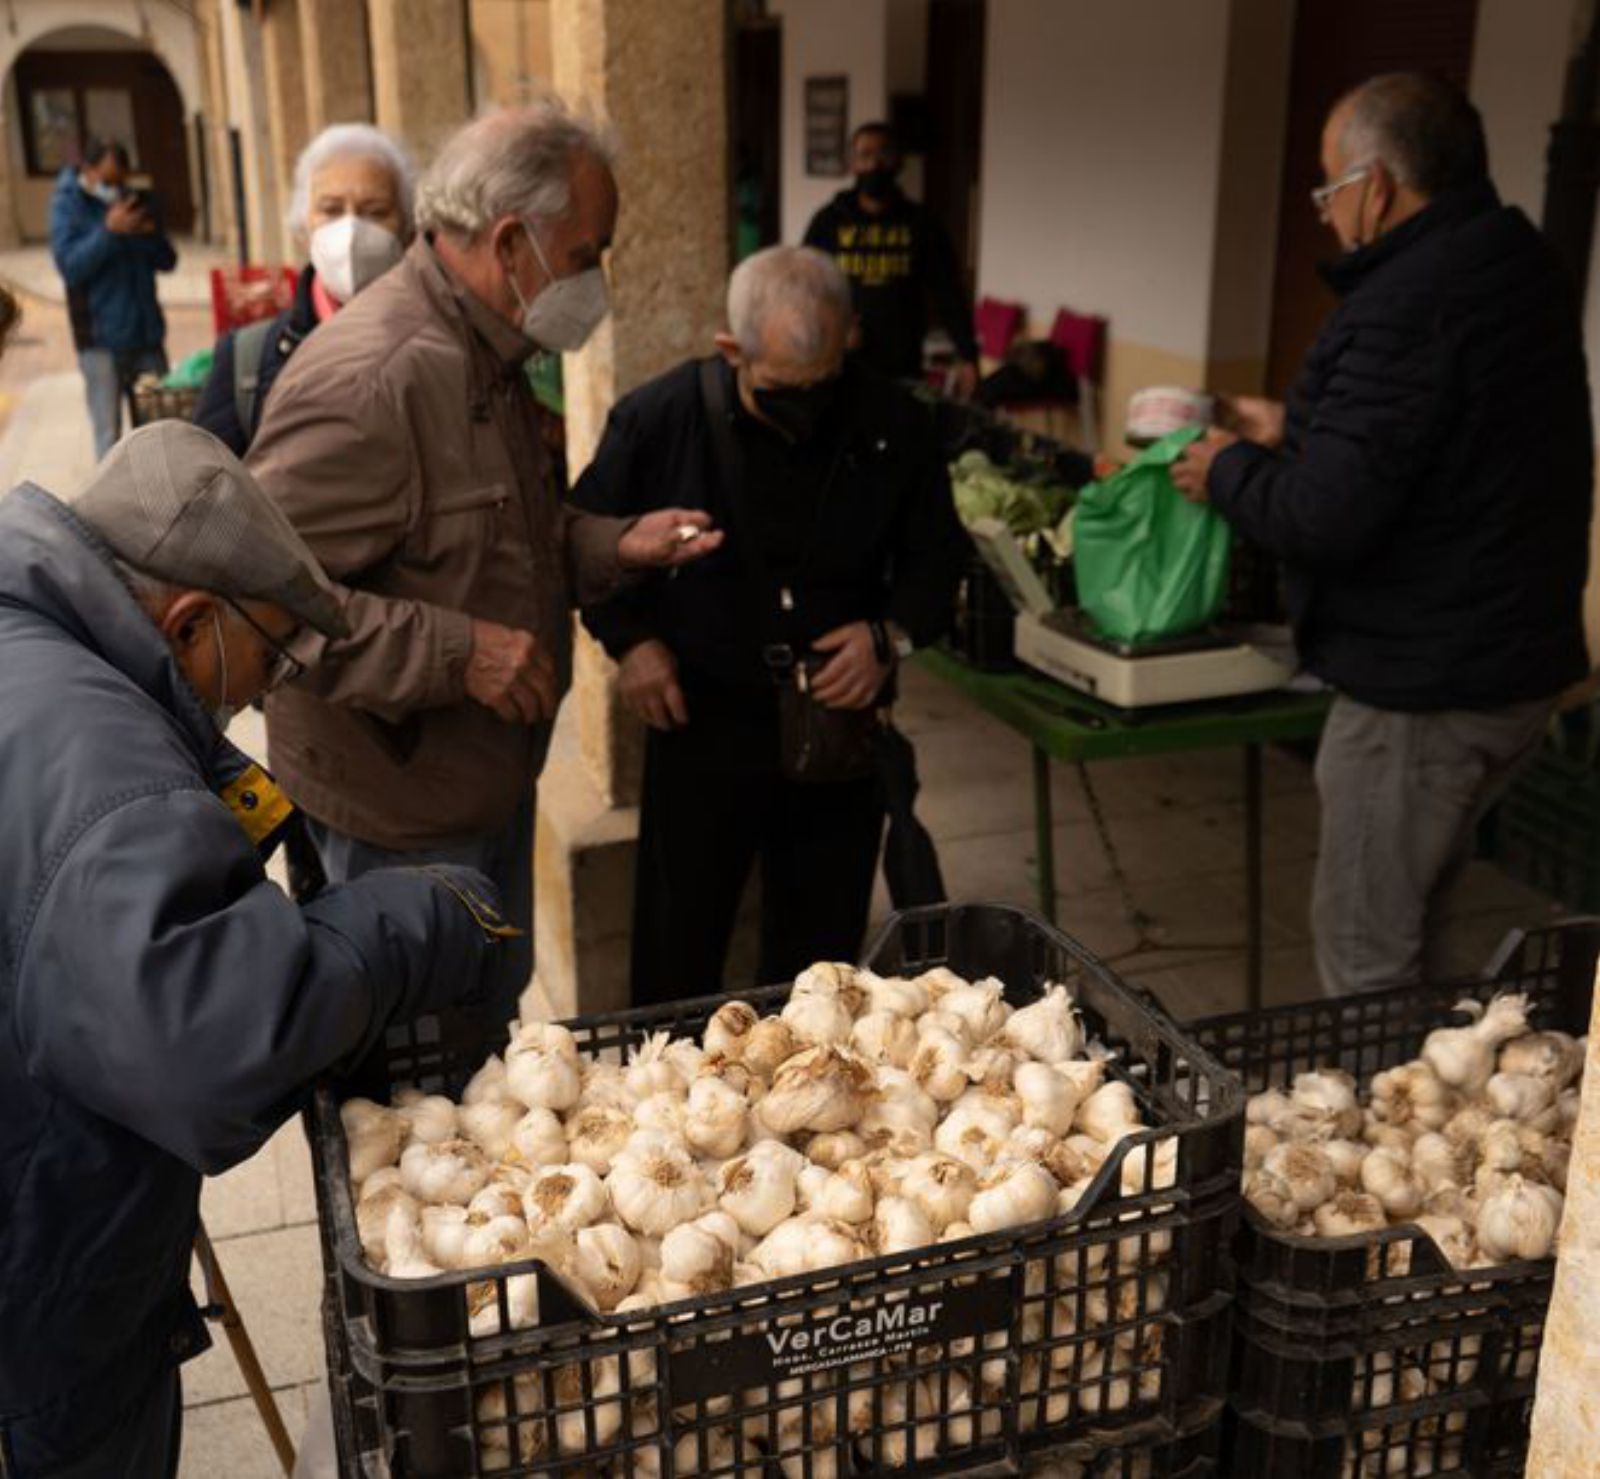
372 1135
1500 1146
452 1171
605 1085
1348 1213
596 1135
1259 1139
1412 1095
570 1196
1012 1196
770 1045
372 1218
1152 1166
490 1125
939 1064
899 1225
1387 1175
1464 1057
444 1235
696 1260
806 1244
818 1021
652 1069
714 1120
759 1187
404 1257
489 1082
1271 1196
542 1077
1049 1029
973 1133
664 1112
1437 1163
942 1185
823 1088
1519 1221
1267 1108
1468 1124
1555 1057
833 1148
1453 1237
1050 1095
845 1195
1109 1113
898 997
656 1189
1519 1096
982 1006
1323 1105
885 1037
729 1029
1307 1173
492 1240
538 1139
1345 1156
427 1117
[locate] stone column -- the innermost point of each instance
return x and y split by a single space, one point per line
338 71
419 70
656 70
286 95
1566 1416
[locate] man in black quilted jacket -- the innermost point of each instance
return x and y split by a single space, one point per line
1428 488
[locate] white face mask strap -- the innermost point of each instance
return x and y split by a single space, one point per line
222 657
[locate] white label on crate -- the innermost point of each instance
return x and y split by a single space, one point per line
889 1324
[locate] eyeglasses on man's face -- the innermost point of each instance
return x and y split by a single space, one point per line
284 666
1322 196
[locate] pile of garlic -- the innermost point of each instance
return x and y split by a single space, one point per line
871 1116
1470 1141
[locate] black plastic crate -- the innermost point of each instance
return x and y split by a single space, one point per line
998 1335
1545 830
1323 1326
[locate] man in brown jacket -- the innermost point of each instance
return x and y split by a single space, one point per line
403 443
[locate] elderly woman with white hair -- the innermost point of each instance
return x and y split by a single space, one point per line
351 210
404 444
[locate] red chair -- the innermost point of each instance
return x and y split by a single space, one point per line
1081 337
997 324
242 295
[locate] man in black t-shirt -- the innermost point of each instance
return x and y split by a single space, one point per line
898 258
842 553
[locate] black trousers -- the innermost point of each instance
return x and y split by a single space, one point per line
714 804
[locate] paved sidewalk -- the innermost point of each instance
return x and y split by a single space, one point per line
187 286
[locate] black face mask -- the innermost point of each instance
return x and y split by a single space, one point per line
877 184
797 410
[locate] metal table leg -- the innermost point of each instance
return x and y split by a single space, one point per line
1044 841
1252 875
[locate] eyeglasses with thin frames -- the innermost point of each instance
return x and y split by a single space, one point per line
286 667
1323 195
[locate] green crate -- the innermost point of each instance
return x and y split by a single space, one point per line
1545 831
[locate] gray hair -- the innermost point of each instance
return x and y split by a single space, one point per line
1422 129
351 141
151 593
515 162
800 284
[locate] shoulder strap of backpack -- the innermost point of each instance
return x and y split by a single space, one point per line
249 349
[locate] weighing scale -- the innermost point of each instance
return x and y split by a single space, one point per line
1215 663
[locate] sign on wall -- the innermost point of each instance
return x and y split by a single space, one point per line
827 125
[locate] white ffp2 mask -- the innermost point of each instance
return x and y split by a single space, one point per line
350 252
567 310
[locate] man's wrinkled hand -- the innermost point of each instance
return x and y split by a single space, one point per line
1253 417
1192 470
853 677
667 538
511 674
647 681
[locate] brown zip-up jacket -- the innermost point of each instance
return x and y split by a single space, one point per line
403 443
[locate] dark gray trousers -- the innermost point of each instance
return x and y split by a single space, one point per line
1402 795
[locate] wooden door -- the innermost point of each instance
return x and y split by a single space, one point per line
955 122
1337 44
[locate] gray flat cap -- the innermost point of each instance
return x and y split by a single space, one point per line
174 502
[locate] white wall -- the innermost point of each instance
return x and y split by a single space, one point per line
826 38
1519 60
1100 162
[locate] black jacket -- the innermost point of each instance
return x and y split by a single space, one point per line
216 410
886 542
1431 501
896 262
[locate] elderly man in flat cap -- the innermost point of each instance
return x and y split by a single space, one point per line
164 1005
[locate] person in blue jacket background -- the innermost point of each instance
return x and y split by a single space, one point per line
108 243
166 1006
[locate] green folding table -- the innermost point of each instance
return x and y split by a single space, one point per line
1062 724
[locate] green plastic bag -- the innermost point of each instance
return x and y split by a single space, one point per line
192 372
1149 563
